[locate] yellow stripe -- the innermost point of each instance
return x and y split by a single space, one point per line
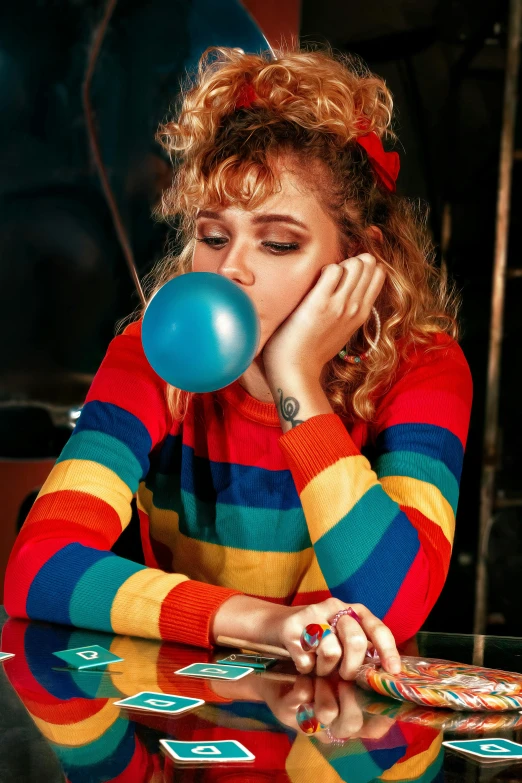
94 479
140 672
84 731
137 603
425 498
329 496
164 523
267 574
305 763
416 765
313 578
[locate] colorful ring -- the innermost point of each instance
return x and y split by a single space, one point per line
306 720
313 634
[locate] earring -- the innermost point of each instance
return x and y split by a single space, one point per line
373 343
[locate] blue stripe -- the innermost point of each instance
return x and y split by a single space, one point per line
379 579
436 442
230 505
53 585
241 485
40 642
346 546
120 424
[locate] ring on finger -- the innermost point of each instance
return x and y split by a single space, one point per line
335 740
313 635
341 613
306 720
373 654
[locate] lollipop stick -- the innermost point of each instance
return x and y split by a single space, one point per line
243 644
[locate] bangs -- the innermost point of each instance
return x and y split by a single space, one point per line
245 182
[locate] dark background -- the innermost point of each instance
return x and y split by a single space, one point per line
63 278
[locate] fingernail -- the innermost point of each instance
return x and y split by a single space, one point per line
393 665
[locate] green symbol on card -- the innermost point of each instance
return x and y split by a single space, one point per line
488 748
86 657
220 750
159 702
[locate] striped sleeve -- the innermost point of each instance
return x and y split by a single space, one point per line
61 568
383 532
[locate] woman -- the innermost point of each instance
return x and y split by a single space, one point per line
259 512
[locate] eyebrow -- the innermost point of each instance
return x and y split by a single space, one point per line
258 219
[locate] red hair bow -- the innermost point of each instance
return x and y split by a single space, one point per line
246 96
385 165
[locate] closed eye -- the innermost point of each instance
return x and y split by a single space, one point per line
274 247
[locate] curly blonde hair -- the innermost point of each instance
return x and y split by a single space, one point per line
309 103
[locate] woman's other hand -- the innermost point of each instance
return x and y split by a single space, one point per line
346 648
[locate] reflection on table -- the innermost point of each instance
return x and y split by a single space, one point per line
95 741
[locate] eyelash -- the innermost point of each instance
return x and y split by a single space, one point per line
280 247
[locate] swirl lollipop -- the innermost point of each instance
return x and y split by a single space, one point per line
438 683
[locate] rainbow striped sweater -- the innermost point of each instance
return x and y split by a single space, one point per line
229 504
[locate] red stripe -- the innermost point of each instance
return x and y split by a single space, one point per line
312 597
432 387
187 611
433 541
139 767
68 506
150 559
315 445
126 374
411 605
251 444
35 696
22 569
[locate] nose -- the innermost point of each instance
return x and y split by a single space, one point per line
235 264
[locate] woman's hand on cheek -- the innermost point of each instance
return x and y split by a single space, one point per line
324 321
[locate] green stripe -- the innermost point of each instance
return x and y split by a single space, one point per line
91 602
356 535
106 450
421 467
239 527
355 764
93 752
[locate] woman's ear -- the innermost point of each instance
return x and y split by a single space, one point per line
375 233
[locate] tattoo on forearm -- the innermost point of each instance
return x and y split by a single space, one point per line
289 409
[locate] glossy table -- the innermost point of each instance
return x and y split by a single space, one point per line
57 724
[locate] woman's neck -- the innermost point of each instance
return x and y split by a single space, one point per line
254 381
